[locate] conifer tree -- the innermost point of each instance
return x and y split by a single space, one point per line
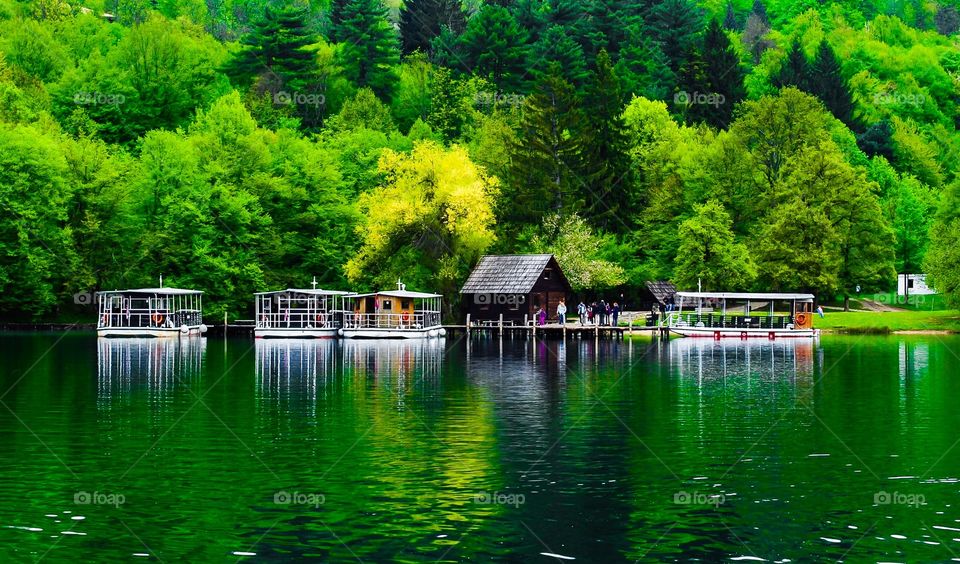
722 74
545 162
606 162
826 82
760 11
423 20
676 24
795 69
370 48
730 18
556 45
275 51
644 69
494 46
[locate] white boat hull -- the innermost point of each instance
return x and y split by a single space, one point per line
150 331
393 333
752 333
328 333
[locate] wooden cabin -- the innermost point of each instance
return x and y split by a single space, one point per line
515 286
656 293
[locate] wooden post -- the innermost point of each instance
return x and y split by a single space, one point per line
631 324
501 324
224 324
468 325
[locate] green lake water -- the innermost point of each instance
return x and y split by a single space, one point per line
513 450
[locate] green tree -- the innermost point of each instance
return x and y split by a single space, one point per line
721 76
276 53
370 49
795 70
546 162
826 82
422 20
796 249
37 261
556 46
730 18
676 24
579 252
708 253
606 166
942 260
494 47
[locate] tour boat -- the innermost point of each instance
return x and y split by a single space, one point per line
394 314
742 315
299 313
150 312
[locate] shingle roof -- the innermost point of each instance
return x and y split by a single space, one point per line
661 290
506 274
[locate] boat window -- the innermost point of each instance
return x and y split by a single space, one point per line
387 304
405 304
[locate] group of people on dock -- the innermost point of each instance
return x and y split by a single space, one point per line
596 313
600 313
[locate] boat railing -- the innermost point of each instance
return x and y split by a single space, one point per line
150 318
720 321
391 320
299 319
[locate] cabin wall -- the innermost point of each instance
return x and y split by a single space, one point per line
514 307
489 307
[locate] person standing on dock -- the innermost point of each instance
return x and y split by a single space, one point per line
615 311
562 312
541 317
582 313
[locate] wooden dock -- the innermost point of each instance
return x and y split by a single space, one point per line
557 330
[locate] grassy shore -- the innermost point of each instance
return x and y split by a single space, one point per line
890 321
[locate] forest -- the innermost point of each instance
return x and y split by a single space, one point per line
236 146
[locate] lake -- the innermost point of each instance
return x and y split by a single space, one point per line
453 450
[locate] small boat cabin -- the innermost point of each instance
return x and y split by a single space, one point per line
743 315
291 313
398 313
150 312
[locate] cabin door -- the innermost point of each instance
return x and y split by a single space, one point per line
266 304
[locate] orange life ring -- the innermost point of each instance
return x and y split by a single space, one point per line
406 316
800 319
320 319
158 318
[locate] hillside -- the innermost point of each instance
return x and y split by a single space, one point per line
236 146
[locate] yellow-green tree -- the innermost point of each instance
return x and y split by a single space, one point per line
428 222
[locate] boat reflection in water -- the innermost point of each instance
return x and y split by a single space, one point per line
288 371
299 371
160 366
395 361
748 359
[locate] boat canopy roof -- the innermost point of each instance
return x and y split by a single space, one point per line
398 294
746 296
164 291
309 291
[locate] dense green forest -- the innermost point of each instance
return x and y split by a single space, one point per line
235 146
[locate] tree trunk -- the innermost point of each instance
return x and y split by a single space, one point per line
846 302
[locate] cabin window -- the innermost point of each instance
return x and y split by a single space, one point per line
405 304
387 305
546 274
910 283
